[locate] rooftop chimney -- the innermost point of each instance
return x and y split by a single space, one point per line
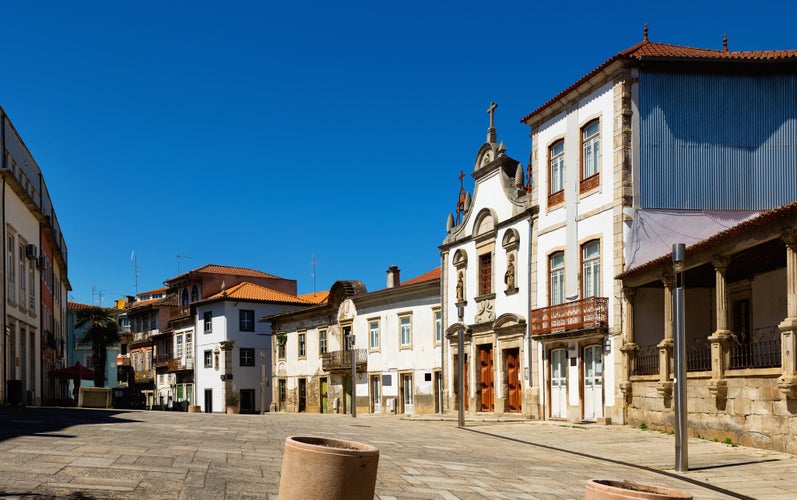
393 277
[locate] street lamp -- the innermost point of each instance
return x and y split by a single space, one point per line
681 431
262 382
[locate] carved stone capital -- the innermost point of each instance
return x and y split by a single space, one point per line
721 262
789 237
665 389
667 280
627 388
629 347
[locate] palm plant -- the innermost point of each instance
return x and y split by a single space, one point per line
102 331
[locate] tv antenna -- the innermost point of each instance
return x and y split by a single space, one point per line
315 273
134 261
178 261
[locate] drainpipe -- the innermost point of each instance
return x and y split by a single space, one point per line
443 323
529 355
4 374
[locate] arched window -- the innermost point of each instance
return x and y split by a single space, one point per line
556 154
194 294
184 297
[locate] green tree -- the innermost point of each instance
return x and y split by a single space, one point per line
102 331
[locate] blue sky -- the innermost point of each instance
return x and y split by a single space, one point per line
259 134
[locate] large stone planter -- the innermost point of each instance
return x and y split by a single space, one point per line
603 489
194 409
95 397
233 410
329 469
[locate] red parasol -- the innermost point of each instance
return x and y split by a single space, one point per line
77 372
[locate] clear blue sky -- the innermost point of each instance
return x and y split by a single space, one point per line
259 134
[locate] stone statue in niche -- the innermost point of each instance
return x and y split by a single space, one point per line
461 287
509 275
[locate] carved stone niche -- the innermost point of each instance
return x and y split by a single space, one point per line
460 262
511 243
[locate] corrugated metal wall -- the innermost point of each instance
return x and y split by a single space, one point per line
713 141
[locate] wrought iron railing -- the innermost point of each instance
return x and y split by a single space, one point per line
647 360
144 376
161 360
337 360
180 364
698 355
759 350
592 312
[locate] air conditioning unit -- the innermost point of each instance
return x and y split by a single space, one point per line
41 262
30 251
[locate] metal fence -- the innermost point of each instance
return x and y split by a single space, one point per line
760 350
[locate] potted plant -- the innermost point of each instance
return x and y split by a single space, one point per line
232 401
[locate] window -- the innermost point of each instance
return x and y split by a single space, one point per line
12 285
302 345
556 264
247 356
194 294
405 329
22 292
556 153
373 334
246 320
591 269
184 297
32 288
438 326
322 342
485 273
281 341
189 346
590 139
208 320
347 338
208 358
179 349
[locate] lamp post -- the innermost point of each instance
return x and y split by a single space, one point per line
681 431
262 383
461 367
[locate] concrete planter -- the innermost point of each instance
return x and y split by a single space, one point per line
326 468
603 489
194 409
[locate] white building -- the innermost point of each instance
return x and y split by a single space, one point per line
397 342
233 349
486 275
34 273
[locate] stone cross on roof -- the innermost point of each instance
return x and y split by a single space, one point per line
491 135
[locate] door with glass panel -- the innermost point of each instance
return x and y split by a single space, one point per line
406 392
559 383
376 394
593 382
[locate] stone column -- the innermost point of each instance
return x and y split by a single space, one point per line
629 347
787 383
226 368
666 345
719 340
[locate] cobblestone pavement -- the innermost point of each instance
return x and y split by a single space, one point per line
72 453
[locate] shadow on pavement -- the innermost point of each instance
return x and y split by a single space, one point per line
47 421
696 482
23 495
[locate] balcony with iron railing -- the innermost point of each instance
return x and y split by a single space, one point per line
341 360
181 364
182 311
584 314
144 376
161 361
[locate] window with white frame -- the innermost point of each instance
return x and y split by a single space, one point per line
405 330
591 269
179 349
189 346
12 285
556 154
438 326
556 265
373 334
208 358
207 318
302 344
590 140
22 291
322 342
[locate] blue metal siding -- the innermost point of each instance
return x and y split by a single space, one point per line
717 141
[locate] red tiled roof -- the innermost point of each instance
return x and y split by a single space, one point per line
432 275
316 297
143 303
232 270
647 50
250 291
765 218
78 306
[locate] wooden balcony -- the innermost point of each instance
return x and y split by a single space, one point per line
341 360
162 361
144 376
584 314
